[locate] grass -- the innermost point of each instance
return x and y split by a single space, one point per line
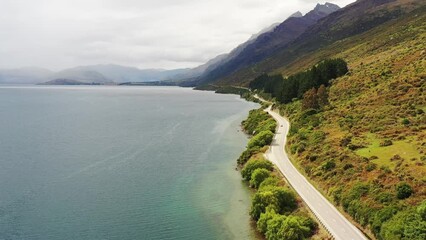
406 149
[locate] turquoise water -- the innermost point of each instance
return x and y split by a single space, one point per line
121 163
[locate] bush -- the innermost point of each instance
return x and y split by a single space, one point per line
327 166
258 176
289 228
247 154
261 200
280 199
405 225
380 217
403 190
405 121
262 223
253 165
270 181
370 167
386 142
421 210
262 139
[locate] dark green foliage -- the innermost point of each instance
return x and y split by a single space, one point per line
261 200
405 225
421 210
382 216
280 199
355 193
253 165
258 121
289 228
285 90
262 139
386 143
246 155
405 121
403 190
327 166
270 181
258 176
370 167
262 223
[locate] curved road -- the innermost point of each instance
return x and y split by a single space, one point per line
337 225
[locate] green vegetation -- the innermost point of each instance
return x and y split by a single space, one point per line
295 86
274 206
262 139
261 126
370 134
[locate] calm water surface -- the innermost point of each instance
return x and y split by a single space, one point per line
121 163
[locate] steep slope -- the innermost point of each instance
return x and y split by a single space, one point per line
268 43
366 149
352 20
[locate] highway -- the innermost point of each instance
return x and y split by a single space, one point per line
335 223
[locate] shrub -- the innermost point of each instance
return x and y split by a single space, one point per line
253 165
405 121
262 139
370 167
262 223
380 217
327 166
289 228
261 200
270 181
421 210
385 143
405 225
258 176
247 154
280 199
403 190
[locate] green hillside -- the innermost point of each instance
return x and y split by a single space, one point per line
366 148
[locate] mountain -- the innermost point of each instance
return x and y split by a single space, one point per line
354 19
99 74
121 74
267 43
28 75
81 74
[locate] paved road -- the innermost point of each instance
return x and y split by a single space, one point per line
337 225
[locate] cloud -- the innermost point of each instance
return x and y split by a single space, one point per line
57 34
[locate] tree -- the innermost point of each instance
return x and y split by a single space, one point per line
289 228
310 99
322 96
262 223
254 164
262 139
405 225
258 176
262 200
403 190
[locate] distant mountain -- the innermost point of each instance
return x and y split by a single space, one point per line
98 74
354 19
81 74
67 82
28 75
267 42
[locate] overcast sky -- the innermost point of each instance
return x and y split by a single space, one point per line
57 34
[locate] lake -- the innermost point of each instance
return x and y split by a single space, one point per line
109 162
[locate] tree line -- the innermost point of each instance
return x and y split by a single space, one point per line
284 90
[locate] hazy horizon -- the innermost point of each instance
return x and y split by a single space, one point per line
62 34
